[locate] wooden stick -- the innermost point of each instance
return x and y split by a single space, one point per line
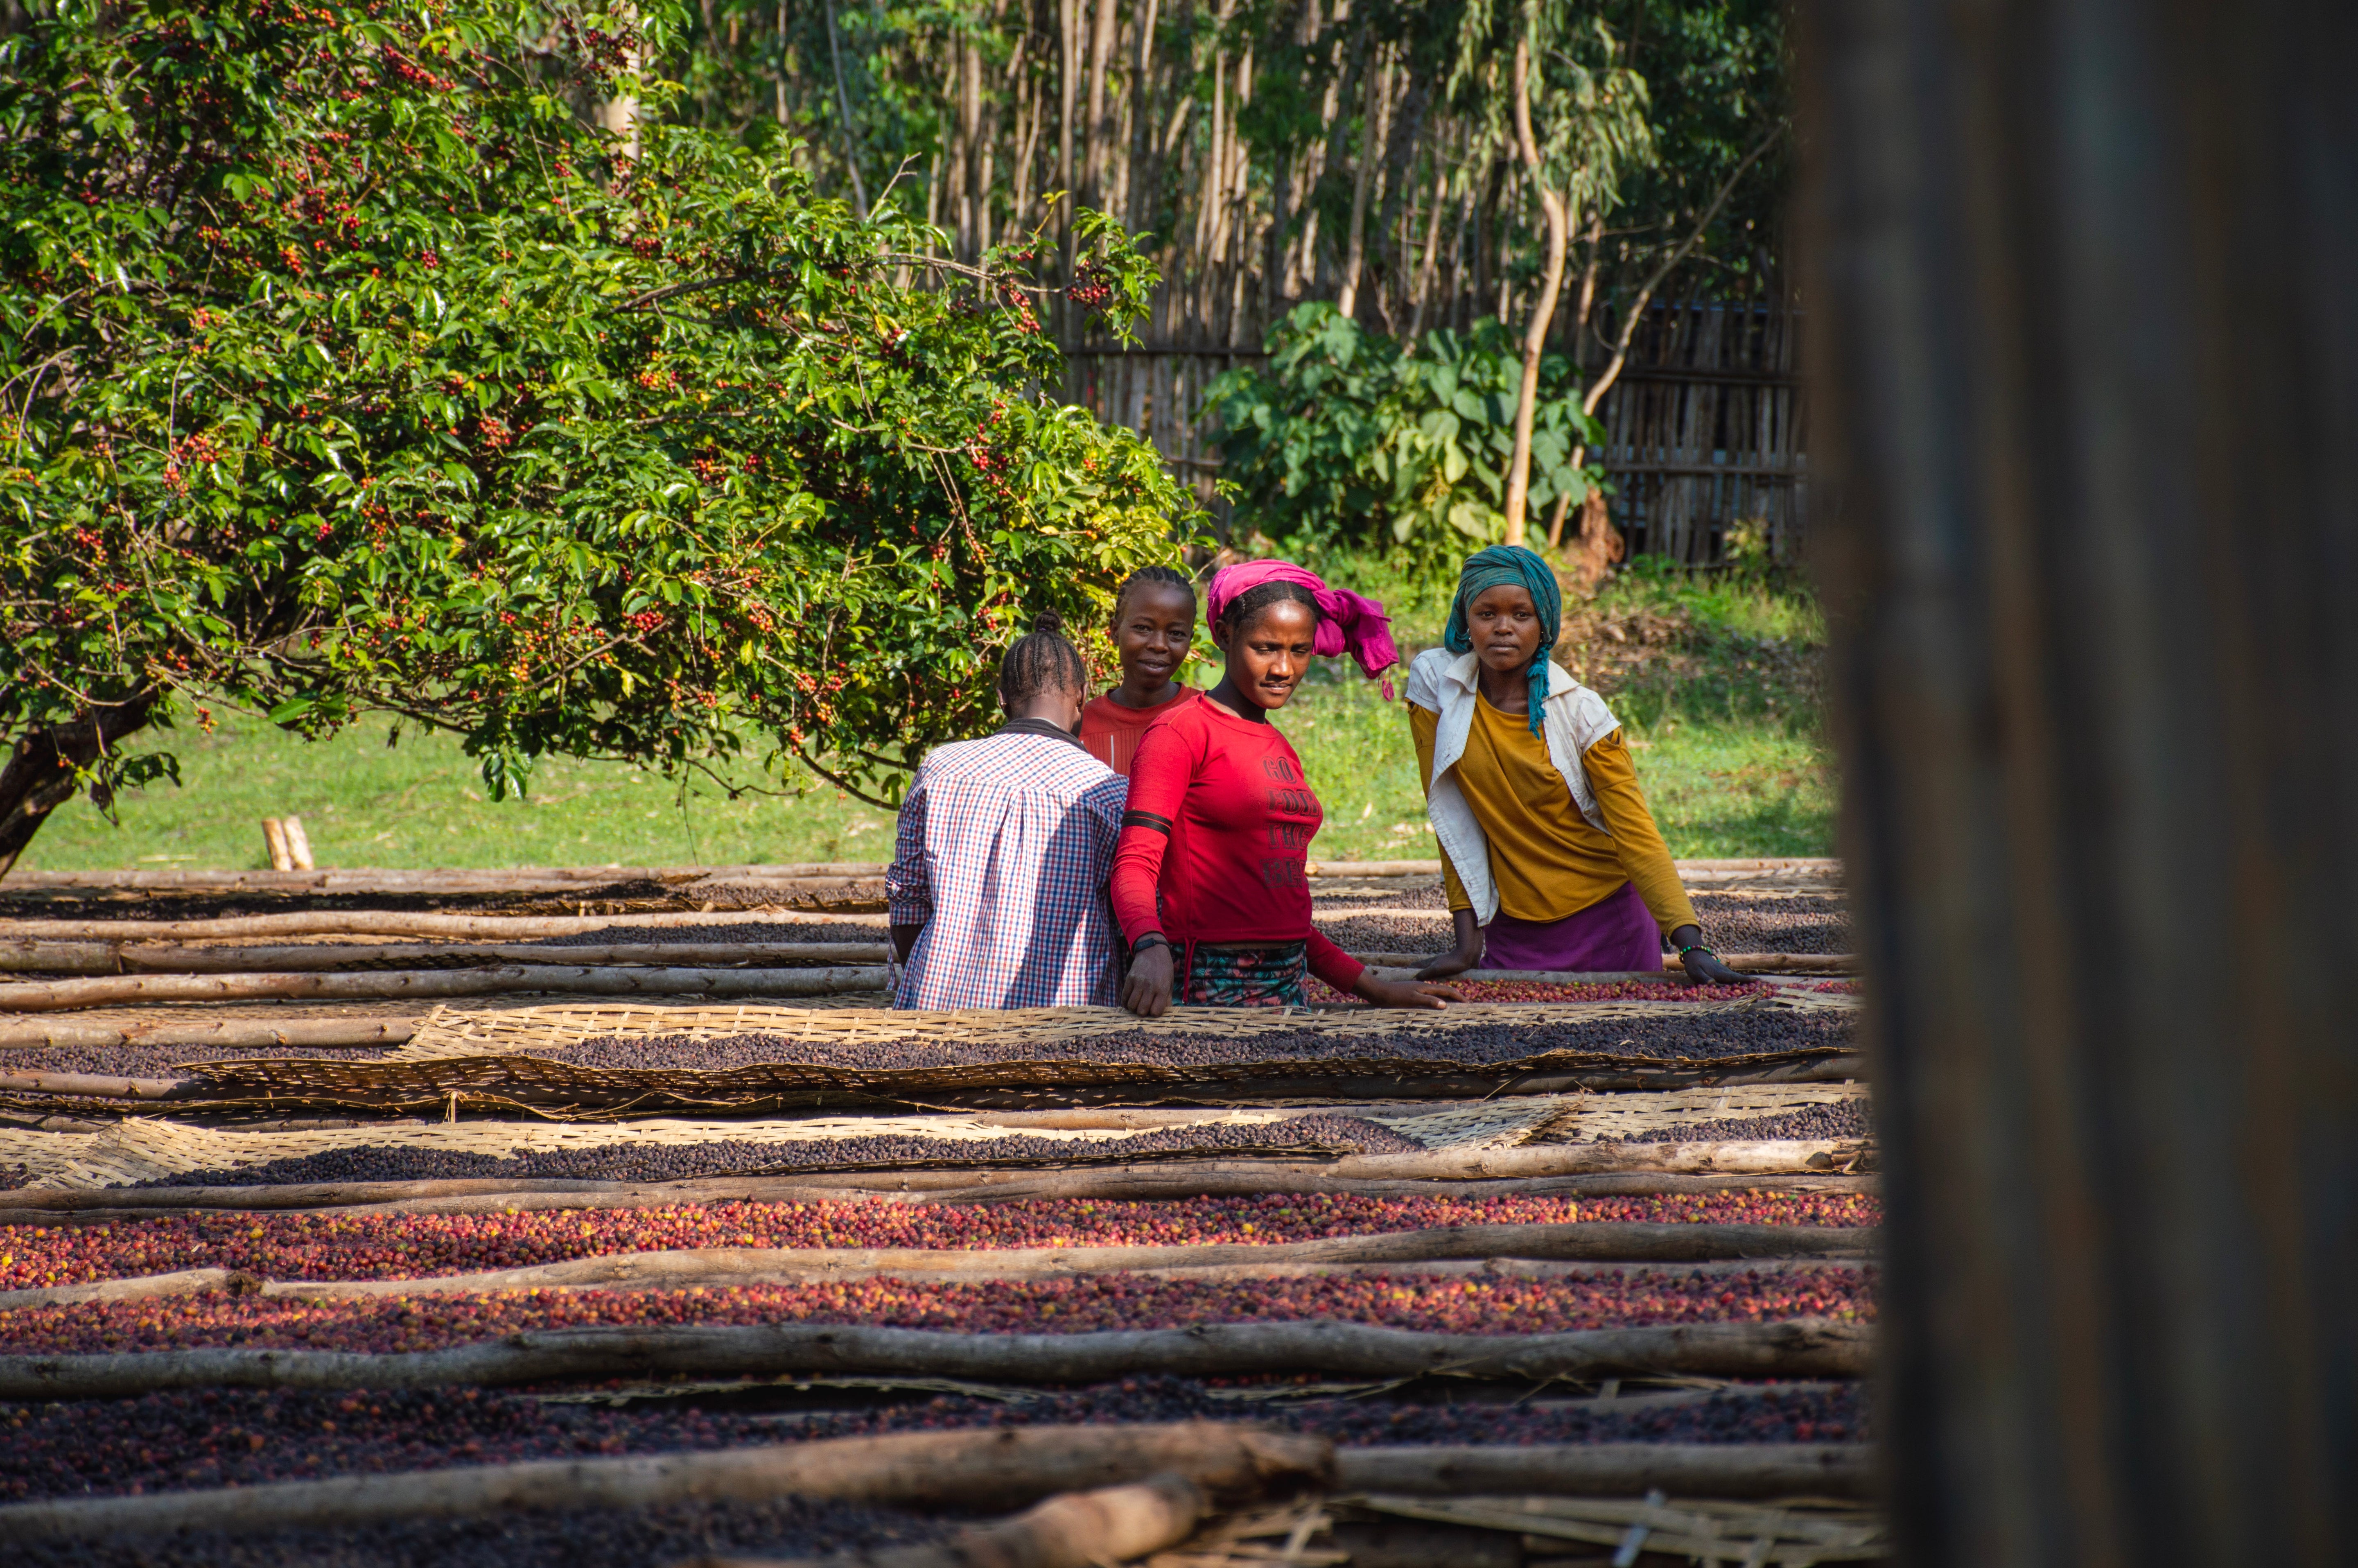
228 1034
61 995
91 958
116 957
368 879
1608 1241
1180 1180
1802 1347
587 878
1156 1180
988 1468
90 1085
1613 1469
198 1282
299 843
449 881
274 842
143 1287
1117 1524
396 923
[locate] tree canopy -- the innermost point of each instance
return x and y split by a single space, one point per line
347 369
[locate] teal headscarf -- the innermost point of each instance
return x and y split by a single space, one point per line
1501 566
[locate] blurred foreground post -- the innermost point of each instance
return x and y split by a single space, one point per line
2084 278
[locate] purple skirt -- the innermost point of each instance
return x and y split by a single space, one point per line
1615 933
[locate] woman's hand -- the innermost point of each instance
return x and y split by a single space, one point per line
1702 967
1401 993
1468 953
1146 991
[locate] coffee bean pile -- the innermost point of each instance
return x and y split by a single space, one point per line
1803 923
1839 1119
218 1437
327 1244
169 1061
1321 995
790 1528
734 931
1674 1035
1739 1415
1416 892
1390 933
736 1157
1504 1304
1751 923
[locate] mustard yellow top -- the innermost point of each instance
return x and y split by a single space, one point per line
1546 861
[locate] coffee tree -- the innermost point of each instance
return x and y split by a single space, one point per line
346 369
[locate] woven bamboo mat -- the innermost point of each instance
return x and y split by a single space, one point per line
468 1030
140 1149
1584 1118
549 1078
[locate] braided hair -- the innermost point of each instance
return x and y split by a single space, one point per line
1240 612
1155 575
1042 660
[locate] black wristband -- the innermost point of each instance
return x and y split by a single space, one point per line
1151 939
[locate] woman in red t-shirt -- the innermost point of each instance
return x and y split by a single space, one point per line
1153 627
1208 881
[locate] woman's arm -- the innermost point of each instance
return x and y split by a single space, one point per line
1159 773
1424 725
1646 860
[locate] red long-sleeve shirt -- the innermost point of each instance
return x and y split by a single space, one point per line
1215 837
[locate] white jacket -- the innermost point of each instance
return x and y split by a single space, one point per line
1573 720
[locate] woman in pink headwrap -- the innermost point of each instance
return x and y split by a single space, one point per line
1208 880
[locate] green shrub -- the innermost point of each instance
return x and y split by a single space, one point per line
1350 440
350 370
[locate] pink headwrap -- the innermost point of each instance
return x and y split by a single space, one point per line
1348 620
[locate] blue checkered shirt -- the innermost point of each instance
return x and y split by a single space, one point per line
1003 851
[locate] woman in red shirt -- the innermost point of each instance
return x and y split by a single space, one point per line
1208 881
1153 627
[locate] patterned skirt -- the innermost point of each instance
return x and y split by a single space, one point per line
1242 977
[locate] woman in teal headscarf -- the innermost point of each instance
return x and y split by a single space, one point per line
1552 859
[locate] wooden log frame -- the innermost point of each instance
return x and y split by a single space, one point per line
1604 1242
999 1467
1118 1184
551 1104
26 956
994 1468
237 1282
588 879
1799 1348
399 923
47 1031
54 996
1078 1530
114 958
1748 1162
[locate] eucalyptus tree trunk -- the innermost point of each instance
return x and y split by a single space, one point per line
1553 203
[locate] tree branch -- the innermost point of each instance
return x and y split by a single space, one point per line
1628 333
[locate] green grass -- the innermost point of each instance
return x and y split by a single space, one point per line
422 805
1727 745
